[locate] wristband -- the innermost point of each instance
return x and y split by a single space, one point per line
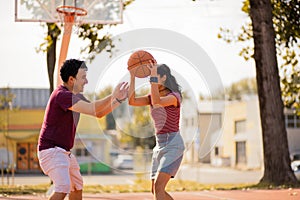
153 79
118 100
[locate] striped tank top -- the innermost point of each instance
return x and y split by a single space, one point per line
166 119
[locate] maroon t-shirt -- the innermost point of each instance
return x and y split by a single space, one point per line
59 126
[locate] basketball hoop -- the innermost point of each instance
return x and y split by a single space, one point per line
71 14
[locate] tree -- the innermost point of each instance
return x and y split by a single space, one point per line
139 131
277 169
284 15
235 91
286 24
6 99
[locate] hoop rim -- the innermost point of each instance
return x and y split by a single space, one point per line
77 11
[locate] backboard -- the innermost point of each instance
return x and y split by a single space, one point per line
98 11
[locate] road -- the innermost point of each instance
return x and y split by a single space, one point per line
212 175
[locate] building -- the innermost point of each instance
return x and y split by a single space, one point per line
230 133
215 132
20 124
20 127
241 136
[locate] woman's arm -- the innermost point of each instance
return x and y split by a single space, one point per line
156 99
132 99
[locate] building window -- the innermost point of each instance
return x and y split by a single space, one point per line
78 152
240 126
86 152
241 157
292 121
186 121
216 151
81 152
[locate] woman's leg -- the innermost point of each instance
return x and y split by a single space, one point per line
159 187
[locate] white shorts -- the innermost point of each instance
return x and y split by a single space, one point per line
62 168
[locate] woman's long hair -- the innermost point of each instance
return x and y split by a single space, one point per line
170 83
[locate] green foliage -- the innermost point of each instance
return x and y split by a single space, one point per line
137 186
52 35
290 81
96 44
105 92
243 87
286 20
6 190
235 91
6 98
139 130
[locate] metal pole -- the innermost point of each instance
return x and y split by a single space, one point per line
68 24
6 135
2 172
13 172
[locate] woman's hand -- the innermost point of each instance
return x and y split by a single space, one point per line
153 68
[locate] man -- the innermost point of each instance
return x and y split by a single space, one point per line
59 127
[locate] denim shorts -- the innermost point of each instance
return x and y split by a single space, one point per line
62 168
167 154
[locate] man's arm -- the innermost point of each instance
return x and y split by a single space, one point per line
102 107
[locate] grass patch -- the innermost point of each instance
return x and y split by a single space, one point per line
23 189
138 186
173 186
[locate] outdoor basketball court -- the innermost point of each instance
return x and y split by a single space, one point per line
286 194
67 13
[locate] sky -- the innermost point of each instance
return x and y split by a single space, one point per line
198 21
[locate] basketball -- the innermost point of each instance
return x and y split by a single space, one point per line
138 62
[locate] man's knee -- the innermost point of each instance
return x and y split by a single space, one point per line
158 187
75 195
58 196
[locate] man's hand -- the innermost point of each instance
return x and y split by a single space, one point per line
120 92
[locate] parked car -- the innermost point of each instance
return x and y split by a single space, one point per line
123 162
295 165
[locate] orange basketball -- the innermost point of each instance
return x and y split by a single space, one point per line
138 62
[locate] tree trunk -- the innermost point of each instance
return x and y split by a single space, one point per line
51 54
277 169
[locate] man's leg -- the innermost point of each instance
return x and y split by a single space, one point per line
55 163
75 195
57 196
76 179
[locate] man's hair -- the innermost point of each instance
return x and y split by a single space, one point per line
70 68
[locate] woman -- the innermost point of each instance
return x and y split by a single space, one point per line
165 102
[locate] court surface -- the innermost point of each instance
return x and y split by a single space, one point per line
286 194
